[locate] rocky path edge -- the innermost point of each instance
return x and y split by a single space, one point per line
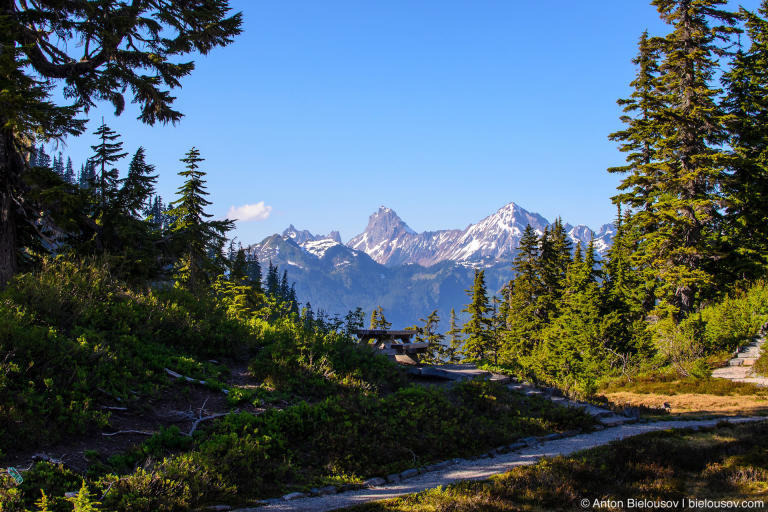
460 469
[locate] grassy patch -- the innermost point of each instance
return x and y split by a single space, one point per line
727 462
672 384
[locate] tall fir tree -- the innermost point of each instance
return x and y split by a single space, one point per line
69 172
43 158
678 196
87 176
273 281
195 237
58 164
572 353
107 153
455 344
554 258
239 266
745 248
285 289
378 320
477 342
253 271
428 332
138 186
524 314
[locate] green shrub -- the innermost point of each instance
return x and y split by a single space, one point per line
314 364
358 435
735 319
71 335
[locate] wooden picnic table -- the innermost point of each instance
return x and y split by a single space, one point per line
394 343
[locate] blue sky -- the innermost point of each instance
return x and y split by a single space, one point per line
442 110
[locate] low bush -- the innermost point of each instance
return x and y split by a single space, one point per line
355 436
313 364
71 336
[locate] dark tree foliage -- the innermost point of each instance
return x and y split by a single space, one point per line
139 186
273 281
97 50
195 238
253 271
676 160
106 154
378 320
69 172
746 183
477 342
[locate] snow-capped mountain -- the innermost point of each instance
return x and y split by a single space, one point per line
305 236
409 274
389 240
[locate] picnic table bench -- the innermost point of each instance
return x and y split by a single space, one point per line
394 343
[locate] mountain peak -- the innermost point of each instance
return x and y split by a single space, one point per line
385 222
305 235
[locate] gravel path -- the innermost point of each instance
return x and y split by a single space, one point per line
483 468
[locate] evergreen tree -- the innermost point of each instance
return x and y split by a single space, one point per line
554 258
455 345
195 237
627 295
746 183
273 281
378 320
106 153
477 340
58 164
572 354
239 267
126 46
307 316
293 301
428 333
678 198
641 136
155 214
253 271
87 177
43 158
69 172
354 320
284 290
524 314
138 187
496 327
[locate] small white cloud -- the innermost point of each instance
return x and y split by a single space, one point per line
249 212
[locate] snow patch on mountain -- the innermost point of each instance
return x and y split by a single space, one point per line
319 247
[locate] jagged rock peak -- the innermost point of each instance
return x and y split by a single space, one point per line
305 235
385 223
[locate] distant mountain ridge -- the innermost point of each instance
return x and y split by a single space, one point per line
389 240
409 274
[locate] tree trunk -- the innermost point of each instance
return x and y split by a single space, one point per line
8 263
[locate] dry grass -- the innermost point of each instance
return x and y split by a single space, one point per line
671 384
688 404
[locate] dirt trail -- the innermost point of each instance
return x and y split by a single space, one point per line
482 468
